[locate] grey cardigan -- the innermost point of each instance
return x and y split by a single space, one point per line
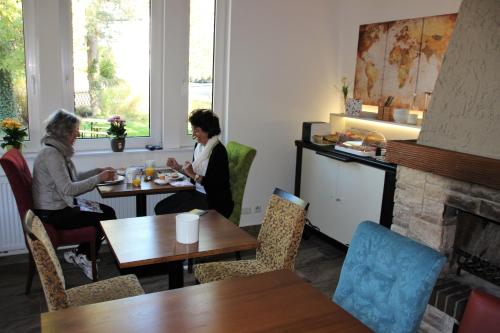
53 188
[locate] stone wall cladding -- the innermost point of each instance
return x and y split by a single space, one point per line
486 193
419 206
490 210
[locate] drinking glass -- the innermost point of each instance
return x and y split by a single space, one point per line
136 181
150 168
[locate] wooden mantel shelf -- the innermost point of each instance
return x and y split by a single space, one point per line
465 167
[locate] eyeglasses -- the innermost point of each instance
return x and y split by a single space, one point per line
153 147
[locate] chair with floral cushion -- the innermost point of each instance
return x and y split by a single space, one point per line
279 240
52 278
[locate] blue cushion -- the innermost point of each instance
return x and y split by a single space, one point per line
387 279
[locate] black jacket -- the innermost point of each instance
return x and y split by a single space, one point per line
216 181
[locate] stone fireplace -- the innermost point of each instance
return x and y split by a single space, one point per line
448 182
422 201
438 211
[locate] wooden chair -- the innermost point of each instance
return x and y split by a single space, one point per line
19 176
482 314
387 279
52 278
279 240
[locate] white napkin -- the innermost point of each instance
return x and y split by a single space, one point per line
181 183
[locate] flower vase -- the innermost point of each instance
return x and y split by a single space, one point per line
353 107
117 144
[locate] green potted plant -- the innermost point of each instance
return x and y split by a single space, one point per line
14 134
117 132
345 89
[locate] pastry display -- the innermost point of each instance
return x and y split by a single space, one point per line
328 139
374 139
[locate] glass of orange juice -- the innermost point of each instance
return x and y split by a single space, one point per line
150 168
136 181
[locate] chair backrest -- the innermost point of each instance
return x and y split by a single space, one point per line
482 314
240 160
19 176
47 264
281 231
387 279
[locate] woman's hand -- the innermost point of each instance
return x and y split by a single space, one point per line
172 163
105 169
107 175
188 169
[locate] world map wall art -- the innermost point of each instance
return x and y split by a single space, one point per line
401 59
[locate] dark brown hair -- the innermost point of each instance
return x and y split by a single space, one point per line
206 120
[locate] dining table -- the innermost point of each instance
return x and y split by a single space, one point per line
147 187
278 301
149 240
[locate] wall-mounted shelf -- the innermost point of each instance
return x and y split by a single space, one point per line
343 115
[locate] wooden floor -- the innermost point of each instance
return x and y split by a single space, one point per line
317 262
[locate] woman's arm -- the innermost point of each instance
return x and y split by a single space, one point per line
82 175
58 171
89 173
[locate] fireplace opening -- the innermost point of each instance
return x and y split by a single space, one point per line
474 261
476 248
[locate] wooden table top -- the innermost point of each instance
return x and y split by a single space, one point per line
271 302
124 190
147 240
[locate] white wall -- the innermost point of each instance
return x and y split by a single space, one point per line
286 57
282 69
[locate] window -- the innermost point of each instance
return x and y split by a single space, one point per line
111 62
137 65
13 90
201 54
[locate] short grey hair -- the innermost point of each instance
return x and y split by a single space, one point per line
61 124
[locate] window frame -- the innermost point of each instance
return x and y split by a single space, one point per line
50 81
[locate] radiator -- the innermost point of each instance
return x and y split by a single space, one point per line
11 233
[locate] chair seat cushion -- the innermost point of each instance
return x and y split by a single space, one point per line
106 290
60 237
222 270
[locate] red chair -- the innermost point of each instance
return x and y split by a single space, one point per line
482 314
19 175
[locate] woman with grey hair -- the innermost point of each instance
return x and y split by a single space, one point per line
56 183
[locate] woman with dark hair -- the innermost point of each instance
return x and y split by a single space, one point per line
209 171
56 183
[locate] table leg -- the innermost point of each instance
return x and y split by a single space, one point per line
140 205
175 274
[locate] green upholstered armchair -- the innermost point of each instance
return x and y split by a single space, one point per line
240 160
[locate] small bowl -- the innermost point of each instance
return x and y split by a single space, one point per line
400 115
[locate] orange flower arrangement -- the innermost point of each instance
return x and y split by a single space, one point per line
14 133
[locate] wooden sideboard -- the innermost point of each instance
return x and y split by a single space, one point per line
343 189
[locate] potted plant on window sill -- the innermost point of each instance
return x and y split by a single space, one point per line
14 134
117 132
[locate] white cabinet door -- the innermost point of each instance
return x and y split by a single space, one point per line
340 194
317 187
359 197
